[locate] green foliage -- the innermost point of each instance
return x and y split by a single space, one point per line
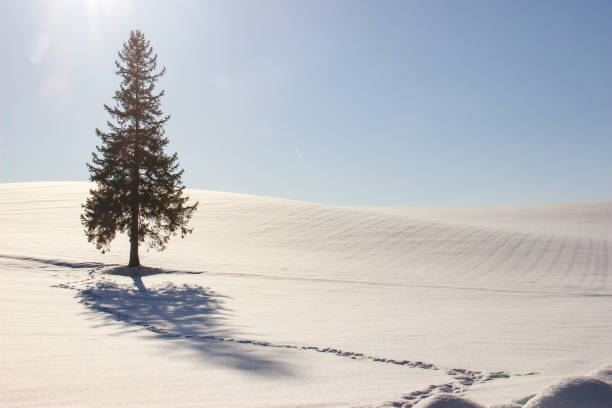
138 187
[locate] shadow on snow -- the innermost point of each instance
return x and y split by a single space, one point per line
193 313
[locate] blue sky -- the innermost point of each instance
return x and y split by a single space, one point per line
357 102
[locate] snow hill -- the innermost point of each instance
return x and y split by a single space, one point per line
273 302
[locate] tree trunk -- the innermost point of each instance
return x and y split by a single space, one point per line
134 259
135 213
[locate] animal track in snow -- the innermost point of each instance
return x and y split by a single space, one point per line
462 378
89 298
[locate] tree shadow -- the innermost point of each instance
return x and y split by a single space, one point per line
195 314
191 313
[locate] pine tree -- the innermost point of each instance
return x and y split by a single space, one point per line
138 187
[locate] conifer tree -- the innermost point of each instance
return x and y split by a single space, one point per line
138 187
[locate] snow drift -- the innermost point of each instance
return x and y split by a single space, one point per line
574 392
447 401
603 374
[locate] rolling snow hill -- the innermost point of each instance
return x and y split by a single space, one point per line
274 302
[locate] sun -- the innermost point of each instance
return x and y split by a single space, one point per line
93 15
107 8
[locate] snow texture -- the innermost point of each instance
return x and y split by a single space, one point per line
447 401
279 303
603 374
574 392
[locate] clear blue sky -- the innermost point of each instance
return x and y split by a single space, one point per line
357 102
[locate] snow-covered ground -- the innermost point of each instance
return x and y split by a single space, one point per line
279 303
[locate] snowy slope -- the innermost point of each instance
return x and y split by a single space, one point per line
275 302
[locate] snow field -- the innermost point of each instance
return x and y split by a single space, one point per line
280 303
